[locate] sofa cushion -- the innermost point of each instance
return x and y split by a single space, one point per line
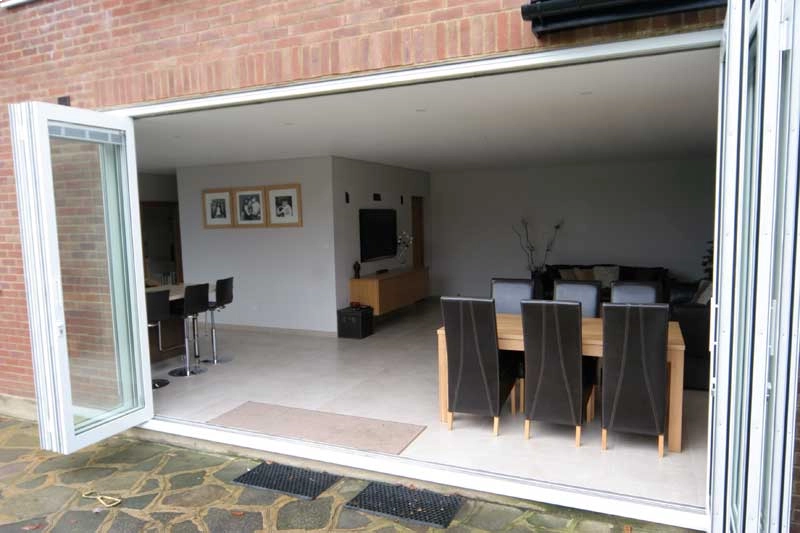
703 294
567 274
606 275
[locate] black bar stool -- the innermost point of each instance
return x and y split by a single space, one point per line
157 303
195 301
223 295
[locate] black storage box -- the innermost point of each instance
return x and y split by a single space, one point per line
355 322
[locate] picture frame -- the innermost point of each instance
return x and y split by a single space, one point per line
217 209
285 205
250 210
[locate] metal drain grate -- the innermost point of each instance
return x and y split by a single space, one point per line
288 480
413 505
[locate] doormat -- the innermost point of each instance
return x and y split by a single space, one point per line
418 506
366 434
299 482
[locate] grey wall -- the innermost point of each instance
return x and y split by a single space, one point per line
361 179
157 188
284 276
657 213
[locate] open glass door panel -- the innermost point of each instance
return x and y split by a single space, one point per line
78 207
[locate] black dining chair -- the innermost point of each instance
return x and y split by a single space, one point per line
507 294
223 296
585 292
194 302
634 395
157 305
634 292
479 379
560 389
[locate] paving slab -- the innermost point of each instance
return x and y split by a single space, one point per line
168 488
233 520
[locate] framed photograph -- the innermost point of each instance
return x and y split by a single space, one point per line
249 205
217 208
285 205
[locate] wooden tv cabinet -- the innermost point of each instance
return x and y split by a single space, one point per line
391 290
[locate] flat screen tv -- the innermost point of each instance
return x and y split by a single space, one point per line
378 230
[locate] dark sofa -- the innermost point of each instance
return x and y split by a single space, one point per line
659 275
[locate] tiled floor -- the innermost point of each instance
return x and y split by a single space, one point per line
392 375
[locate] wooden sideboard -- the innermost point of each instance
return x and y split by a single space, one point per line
391 290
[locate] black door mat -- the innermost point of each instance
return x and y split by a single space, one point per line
412 505
288 480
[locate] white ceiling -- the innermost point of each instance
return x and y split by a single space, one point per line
657 106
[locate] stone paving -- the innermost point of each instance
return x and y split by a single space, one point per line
167 488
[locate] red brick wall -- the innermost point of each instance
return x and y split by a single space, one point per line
113 52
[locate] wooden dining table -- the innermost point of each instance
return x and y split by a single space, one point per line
176 291
509 337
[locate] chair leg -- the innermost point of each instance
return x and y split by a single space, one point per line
450 421
197 369
577 436
660 446
527 429
215 359
514 400
186 370
590 405
521 394
496 426
604 440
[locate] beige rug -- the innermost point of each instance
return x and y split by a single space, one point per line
367 434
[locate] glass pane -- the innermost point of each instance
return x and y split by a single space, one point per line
91 213
748 206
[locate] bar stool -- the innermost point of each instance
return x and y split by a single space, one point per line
157 303
223 295
195 301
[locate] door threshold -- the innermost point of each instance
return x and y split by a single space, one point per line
598 501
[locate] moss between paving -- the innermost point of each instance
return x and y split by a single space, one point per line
167 488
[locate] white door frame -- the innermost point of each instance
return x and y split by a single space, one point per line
31 123
592 500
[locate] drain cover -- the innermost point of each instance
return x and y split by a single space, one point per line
412 505
288 480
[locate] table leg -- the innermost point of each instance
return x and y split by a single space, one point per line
442 378
675 420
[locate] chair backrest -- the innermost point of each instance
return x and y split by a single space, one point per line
553 362
157 303
195 299
585 292
508 293
635 367
634 292
223 295
473 364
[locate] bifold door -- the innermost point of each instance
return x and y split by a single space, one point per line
78 208
756 296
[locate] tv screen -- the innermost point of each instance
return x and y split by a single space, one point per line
378 229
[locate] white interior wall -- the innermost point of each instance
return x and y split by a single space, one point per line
655 213
158 187
361 179
284 277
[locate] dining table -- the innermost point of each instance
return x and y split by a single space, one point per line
176 290
509 337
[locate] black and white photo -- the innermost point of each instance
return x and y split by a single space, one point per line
249 207
217 208
284 205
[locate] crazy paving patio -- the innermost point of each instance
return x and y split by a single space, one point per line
164 487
